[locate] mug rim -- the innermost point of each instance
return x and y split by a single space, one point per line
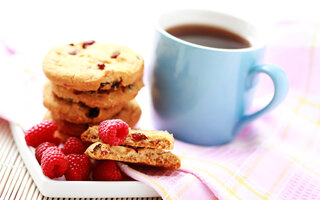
252 47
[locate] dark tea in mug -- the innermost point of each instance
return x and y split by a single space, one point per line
210 36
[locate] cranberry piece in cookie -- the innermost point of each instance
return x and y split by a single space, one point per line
115 54
101 65
87 43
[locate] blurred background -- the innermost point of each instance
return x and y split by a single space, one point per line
33 27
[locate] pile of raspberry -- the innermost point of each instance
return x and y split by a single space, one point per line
68 159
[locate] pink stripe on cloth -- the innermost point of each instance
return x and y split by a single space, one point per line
10 51
170 184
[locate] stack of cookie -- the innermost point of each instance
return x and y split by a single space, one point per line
90 83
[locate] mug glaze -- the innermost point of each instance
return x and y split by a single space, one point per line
201 94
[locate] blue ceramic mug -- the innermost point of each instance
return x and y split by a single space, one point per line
201 94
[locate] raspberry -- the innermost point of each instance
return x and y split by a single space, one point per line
113 132
79 167
55 141
107 171
73 146
41 148
53 162
40 133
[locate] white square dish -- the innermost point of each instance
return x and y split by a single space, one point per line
76 189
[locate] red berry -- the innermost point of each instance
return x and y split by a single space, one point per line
87 43
55 141
73 146
113 132
53 162
40 133
107 171
101 65
79 167
41 148
115 54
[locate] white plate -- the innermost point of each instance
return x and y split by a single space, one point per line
77 189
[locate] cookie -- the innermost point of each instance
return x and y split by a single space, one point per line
67 128
102 98
137 138
77 113
130 114
91 66
146 156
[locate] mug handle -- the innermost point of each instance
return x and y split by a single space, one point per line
281 87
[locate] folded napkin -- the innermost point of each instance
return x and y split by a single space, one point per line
275 157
